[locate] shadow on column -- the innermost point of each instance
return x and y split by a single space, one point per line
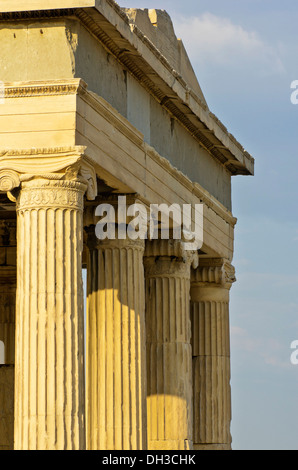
7 327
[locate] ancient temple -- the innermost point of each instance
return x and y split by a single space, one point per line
97 102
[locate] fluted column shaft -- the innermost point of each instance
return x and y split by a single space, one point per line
169 369
116 358
49 368
211 355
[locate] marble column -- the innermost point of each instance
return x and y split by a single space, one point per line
116 358
169 357
49 363
210 287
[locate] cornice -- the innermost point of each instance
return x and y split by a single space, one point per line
174 95
130 46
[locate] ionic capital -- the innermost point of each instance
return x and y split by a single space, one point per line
120 220
95 243
166 267
167 258
44 193
64 164
214 272
171 249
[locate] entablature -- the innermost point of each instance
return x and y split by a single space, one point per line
105 145
132 48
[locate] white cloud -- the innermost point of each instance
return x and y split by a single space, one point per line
269 351
217 41
241 340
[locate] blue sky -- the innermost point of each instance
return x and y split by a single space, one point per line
245 55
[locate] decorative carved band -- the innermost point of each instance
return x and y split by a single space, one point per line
59 194
44 151
214 271
171 249
44 89
166 267
25 15
95 243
